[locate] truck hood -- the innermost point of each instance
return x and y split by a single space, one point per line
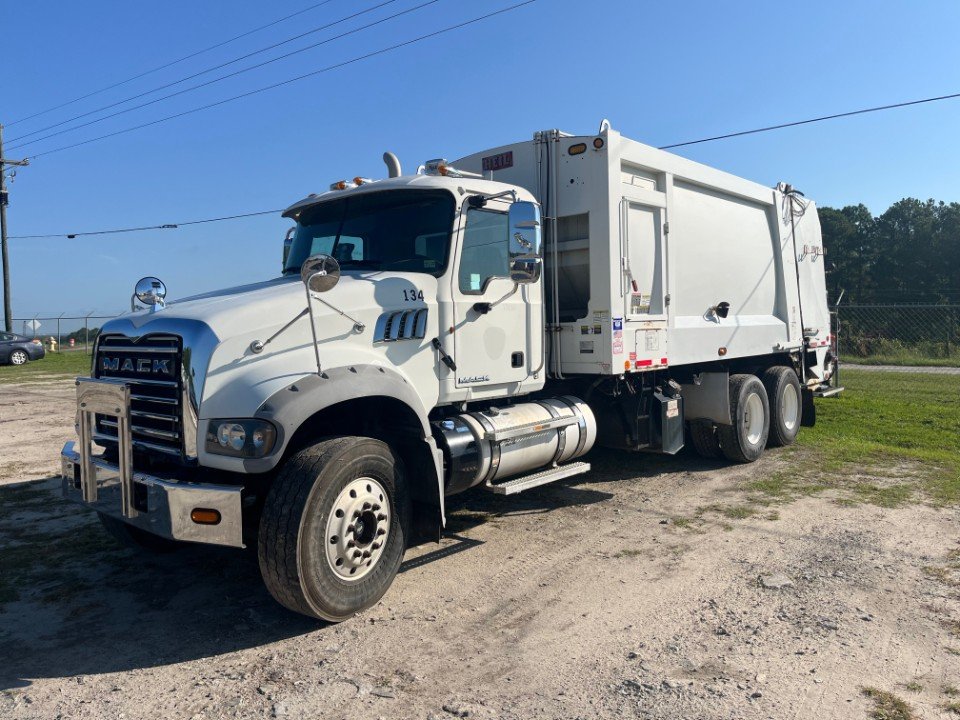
227 377
249 308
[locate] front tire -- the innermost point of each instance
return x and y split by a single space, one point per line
786 406
334 528
744 440
18 357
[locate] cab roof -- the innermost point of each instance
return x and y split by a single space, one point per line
459 186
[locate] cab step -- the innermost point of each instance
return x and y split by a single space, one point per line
828 392
518 485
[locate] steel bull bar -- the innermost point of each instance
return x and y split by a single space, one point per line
174 509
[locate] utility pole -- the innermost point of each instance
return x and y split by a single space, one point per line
4 201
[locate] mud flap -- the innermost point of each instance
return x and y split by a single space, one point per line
809 409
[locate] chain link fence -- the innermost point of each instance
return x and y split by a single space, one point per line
894 334
61 333
898 334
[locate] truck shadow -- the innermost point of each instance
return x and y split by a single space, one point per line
74 603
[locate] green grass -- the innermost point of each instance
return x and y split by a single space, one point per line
67 363
887 351
904 359
899 426
887 706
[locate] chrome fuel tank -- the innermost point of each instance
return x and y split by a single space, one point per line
497 443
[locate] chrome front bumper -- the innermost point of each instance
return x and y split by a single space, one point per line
159 506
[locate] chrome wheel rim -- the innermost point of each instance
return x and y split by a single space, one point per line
789 407
753 418
357 529
18 358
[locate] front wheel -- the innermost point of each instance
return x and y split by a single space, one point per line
334 528
744 440
18 357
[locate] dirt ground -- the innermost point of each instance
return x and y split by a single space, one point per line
647 589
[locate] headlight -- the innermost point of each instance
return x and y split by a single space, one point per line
240 438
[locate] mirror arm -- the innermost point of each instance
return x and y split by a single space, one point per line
257 346
313 329
479 200
357 325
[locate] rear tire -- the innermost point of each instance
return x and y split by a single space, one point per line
703 437
744 440
136 538
322 509
786 406
18 357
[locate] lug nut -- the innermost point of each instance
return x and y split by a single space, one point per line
357 554
381 516
366 506
350 527
366 553
381 531
375 507
350 543
375 546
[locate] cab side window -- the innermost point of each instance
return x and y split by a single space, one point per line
485 251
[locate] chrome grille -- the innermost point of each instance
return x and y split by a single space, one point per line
151 366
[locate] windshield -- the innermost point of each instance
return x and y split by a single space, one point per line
403 230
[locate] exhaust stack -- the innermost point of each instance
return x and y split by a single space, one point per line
393 165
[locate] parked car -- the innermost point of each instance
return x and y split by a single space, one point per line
19 349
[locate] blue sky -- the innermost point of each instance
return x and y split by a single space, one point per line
661 72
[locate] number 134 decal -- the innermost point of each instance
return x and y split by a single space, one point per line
412 295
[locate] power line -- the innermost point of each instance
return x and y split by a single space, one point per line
409 42
272 86
312 31
165 226
811 120
171 63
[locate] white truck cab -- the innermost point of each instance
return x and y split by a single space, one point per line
482 323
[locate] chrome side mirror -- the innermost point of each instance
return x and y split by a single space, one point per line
151 292
525 242
320 273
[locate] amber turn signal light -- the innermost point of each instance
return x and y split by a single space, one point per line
205 516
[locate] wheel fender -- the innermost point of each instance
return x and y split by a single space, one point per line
292 406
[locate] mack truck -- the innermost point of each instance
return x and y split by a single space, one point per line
480 324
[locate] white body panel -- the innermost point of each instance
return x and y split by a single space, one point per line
648 242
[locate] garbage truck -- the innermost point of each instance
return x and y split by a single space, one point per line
479 324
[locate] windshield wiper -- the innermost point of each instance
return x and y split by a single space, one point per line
376 264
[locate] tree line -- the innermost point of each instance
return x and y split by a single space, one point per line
909 254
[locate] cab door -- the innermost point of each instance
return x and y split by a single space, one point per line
491 313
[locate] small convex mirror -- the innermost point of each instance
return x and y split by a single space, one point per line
150 291
320 273
526 241
287 245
